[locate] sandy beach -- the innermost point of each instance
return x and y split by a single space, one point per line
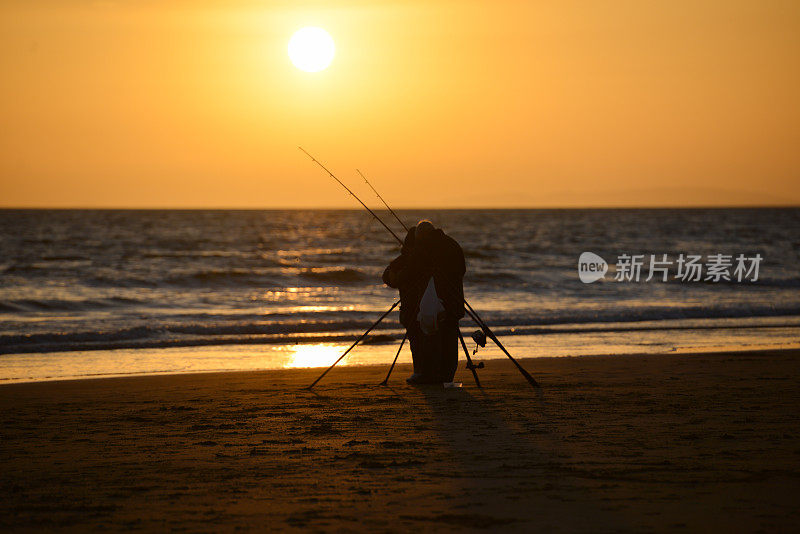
692 442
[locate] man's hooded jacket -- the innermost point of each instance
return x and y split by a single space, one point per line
440 257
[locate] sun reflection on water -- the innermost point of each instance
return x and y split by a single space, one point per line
313 355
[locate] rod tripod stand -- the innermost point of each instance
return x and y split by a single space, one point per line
470 364
356 342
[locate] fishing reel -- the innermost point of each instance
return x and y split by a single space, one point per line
479 337
471 365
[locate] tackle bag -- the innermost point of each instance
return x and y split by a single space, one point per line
431 310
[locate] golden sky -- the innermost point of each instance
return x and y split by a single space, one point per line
442 104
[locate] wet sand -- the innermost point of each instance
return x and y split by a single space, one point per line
704 442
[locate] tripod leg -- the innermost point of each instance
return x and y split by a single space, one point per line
488 331
470 365
386 380
356 342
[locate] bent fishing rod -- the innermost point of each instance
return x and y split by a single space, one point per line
470 311
353 194
384 202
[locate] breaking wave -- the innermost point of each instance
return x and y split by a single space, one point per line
346 325
334 275
39 305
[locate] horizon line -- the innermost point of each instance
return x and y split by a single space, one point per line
356 208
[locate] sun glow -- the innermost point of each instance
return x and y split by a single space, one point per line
311 49
313 355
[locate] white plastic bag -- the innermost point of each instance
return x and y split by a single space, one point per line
431 310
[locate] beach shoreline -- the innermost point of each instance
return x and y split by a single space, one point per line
611 443
781 333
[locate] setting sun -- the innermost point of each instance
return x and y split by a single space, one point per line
311 49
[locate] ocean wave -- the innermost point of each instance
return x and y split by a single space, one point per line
63 339
196 329
334 275
349 324
267 277
632 315
39 305
221 277
171 253
187 335
63 257
778 282
45 266
118 344
492 277
478 254
255 328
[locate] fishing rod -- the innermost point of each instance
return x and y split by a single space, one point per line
469 310
386 380
356 342
384 202
353 194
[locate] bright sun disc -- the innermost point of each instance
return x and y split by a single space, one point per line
311 49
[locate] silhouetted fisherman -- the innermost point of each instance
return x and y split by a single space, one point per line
430 260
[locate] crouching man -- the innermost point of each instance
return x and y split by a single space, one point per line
429 274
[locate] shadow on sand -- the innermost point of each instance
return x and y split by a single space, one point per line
507 462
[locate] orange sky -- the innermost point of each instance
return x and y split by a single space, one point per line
442 104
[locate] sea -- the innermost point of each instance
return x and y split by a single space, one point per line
88 293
